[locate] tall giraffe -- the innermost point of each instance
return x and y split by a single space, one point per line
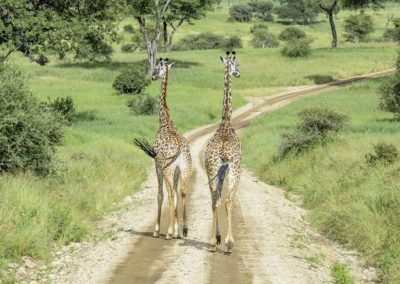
172 158
222 158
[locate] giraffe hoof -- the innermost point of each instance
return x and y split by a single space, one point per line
213 248
228 247
176 236
168 237
156 234
218 239
185 232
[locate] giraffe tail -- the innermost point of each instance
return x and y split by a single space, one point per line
220 178
146 147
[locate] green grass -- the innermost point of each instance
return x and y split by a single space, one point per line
340 273
349 201
97 165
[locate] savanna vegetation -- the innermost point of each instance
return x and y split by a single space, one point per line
90 96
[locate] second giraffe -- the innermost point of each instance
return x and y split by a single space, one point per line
222 158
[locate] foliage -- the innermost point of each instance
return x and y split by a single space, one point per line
262 38
291 33
132 80
142 105
393 34
314 126
358 27
385 154
258 26
233 42
241 13
357 4
128 48
299 11
129 29
297 48
63 106
340 273
262 10
29 131
86 28
390 95
201 41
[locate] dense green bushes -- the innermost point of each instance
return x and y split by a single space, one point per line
241 13
291 33
358 27
297 48
29 130
262 38
314 127
132 80
142 105
390 95
385 154
208 41
245 12
64 107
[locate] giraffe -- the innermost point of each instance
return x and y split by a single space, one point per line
171 154
222 158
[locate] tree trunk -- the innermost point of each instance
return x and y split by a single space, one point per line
165 34
333 29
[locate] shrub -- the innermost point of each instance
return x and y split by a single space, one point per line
262 10
241 13
129 47
390 95
201 41
314 126
291 33
393 34
29 130
262 39
129 29
258 26
233 42
321 121
297 48
300 11
385 154
142 105
63 106
358 27
340 273
132 80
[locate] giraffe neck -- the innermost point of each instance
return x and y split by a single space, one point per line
163 108
227 110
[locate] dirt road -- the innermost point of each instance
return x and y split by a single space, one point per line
273 243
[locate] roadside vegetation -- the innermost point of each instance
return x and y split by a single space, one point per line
94 96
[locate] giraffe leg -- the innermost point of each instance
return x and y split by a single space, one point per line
233 181
218 236
215 230
160 199
171 200
186 175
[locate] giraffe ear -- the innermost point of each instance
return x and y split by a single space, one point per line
222 59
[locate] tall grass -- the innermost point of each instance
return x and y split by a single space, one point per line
349 201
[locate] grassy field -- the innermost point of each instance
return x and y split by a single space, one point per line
348 200
97 165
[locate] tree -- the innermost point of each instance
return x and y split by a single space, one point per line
36 27
152 14
358 27
360 4
301 11
329 7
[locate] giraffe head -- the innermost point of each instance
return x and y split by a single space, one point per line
161 69
231 60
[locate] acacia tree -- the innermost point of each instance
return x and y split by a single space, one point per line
155 15
357 4
329 7
36 27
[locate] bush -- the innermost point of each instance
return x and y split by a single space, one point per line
201 41
299 11
132 80
297 48
358 27
321 121
262 39
390 95
63 106
291 33
129 29
385 154
314 127
262 10
142 105
129 47
29 130
241 13
233 42
393 34
258 26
